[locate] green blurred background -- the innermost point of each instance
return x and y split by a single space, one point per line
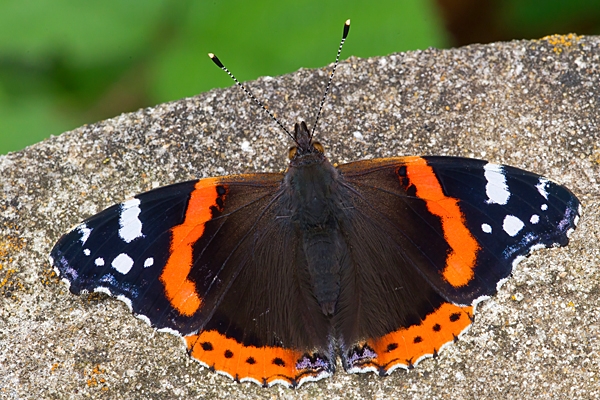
64 63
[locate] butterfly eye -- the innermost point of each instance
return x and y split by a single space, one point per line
292 152
319 147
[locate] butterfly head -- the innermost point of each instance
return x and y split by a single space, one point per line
305 147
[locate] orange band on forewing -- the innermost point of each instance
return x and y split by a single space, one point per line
407 346
460 262
180 291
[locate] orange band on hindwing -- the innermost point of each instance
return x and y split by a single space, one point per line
406 346
265 365
180 291
460 262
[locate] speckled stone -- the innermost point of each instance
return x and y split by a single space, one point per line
531 104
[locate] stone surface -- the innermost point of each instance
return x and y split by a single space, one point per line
531 104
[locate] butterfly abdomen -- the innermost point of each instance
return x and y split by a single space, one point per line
314 189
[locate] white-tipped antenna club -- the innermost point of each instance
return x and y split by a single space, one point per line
337 59
220 65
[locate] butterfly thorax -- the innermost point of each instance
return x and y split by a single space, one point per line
313 191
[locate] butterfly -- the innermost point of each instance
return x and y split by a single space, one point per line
270 278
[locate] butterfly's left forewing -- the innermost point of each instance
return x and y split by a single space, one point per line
120 251
141 250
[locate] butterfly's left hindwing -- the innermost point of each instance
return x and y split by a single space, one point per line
121 249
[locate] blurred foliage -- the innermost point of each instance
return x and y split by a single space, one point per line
64 63
485 21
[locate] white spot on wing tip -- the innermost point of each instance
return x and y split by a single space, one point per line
496 187
87 252
149 262
478 300
85 233
486 228
534 219
122 263
224 374
541 187
450 343
282 382
512 225
130 203
405 367
130 226
99 262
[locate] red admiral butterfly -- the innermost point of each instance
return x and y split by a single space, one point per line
270 277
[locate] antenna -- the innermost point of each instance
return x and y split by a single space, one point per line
220 65
337 58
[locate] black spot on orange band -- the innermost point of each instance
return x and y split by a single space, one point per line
279 362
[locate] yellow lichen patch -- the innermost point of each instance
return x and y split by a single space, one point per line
96 296
561 42
48 277
596 154
9 282
10 245
95 378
